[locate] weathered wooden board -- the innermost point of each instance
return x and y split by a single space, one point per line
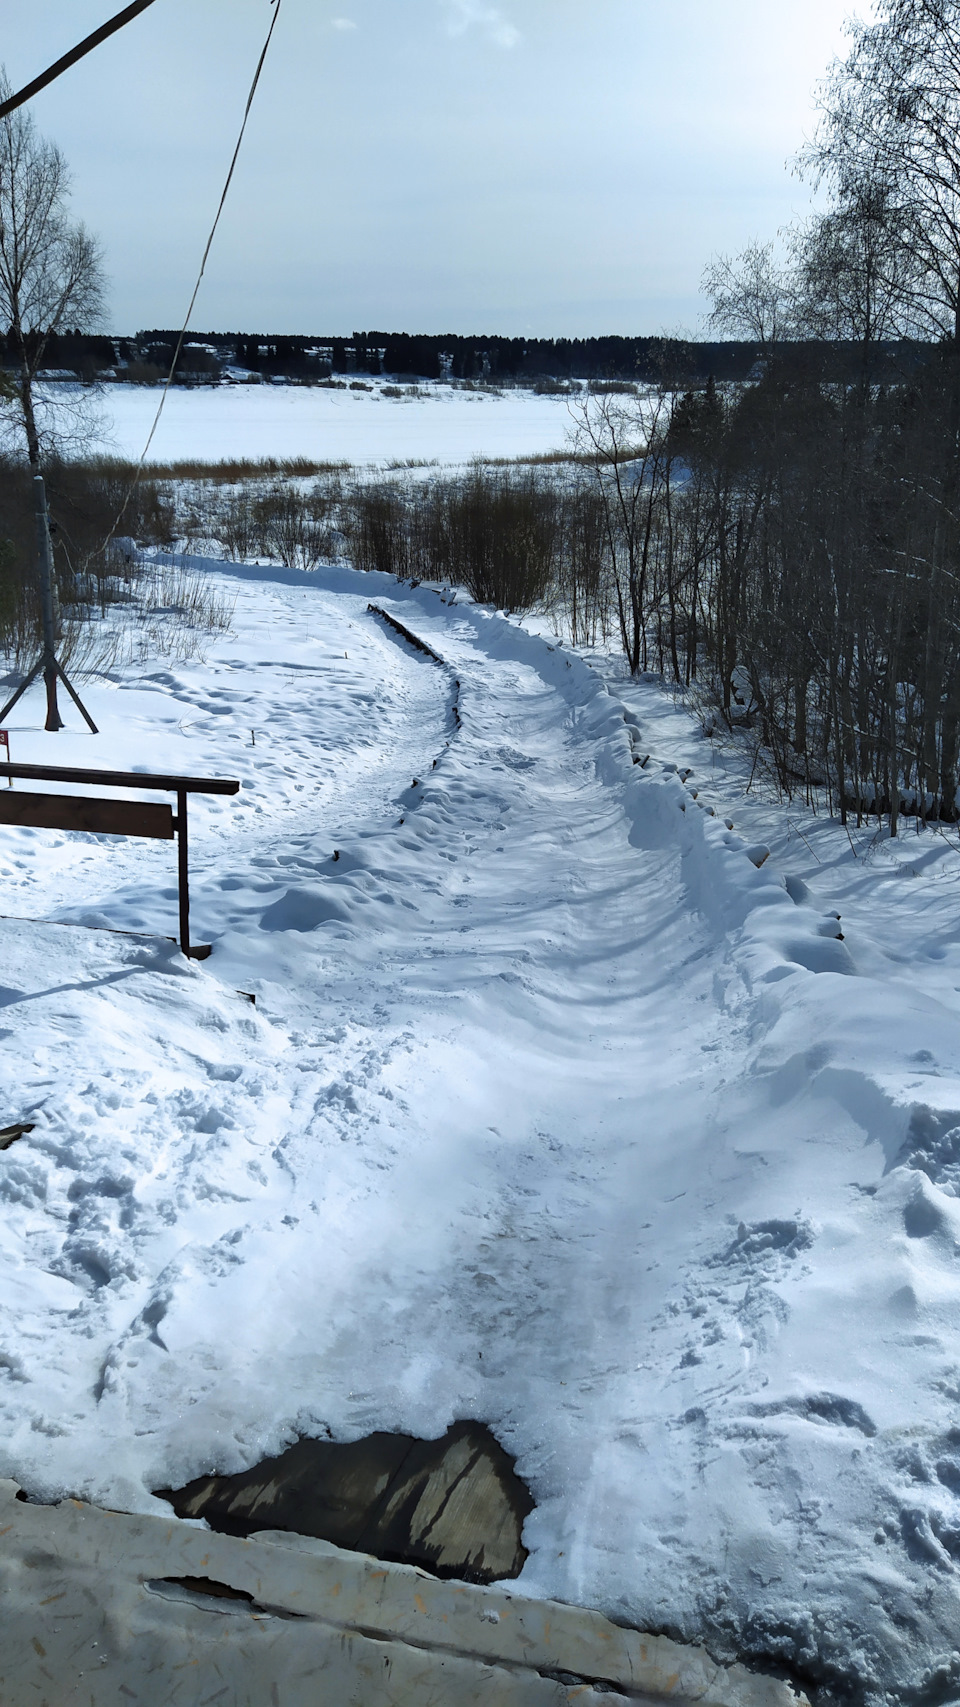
102 817
143 1611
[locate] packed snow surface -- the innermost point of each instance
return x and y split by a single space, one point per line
428 423
555 1111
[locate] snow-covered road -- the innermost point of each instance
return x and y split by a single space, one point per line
554 1111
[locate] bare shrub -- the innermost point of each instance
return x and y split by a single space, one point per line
502 537
583 581
235 523
172 610
293 526
499 534
377 528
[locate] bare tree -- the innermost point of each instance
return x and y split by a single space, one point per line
855 268
892 116
891 120
751 296
51 274
51 277
628 449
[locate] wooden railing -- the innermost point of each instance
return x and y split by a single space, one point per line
106 817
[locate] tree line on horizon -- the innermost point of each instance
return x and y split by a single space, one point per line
206 356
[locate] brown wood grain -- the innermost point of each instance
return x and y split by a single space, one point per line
101 817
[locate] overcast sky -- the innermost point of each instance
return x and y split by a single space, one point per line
540 167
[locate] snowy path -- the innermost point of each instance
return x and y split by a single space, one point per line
554 1112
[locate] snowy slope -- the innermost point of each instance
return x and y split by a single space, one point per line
554 1111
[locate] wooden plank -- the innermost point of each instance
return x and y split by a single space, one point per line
121 779
330 1626
101 817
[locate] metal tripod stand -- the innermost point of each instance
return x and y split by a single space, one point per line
48 664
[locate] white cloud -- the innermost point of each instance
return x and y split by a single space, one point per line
463 14
342 24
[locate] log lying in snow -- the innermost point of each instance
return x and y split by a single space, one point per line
408 635
10 1134
421 646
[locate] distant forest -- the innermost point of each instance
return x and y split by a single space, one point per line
209 356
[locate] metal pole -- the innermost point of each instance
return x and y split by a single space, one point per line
48 662
78 702
183 872
24 685
48 608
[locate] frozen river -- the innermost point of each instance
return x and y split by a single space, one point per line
239 421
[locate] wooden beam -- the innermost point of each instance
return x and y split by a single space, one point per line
121 779
100 817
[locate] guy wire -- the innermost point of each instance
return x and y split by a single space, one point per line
196 289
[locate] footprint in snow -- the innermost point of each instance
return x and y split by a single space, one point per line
760 1243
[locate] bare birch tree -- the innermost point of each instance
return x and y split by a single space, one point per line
51 274
627 447
751 296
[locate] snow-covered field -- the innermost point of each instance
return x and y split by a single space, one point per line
554 1111
363 427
